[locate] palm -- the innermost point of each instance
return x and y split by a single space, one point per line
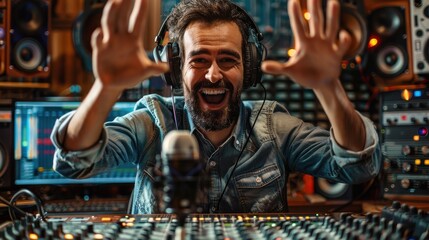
313 64
318 51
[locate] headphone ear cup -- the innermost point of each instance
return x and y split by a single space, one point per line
175 65
160 56
170 53
252 66
247 73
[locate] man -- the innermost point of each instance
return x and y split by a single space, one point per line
211 39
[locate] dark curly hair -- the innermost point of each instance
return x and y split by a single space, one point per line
207 11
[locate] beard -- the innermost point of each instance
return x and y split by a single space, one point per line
213 120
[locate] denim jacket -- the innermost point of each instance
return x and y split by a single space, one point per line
278 145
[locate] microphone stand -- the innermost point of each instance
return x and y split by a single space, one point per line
181 173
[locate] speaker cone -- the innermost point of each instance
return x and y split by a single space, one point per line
28 55
28 16
3 162
386 21
391 61
330 189
353 22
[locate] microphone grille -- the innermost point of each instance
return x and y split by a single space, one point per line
180 144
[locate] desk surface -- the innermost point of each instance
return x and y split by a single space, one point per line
314 203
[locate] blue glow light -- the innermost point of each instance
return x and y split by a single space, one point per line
418 93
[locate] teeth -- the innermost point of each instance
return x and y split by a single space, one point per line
213 91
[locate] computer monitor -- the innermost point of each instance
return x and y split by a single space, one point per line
33 150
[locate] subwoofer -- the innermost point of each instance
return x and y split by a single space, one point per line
6 166
28 38
389 61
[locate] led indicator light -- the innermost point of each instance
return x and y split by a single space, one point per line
406 94
423 131
372 42
417 93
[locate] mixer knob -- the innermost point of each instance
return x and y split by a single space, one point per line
407 150
406 167
396 205
422 214
387 164
405 208
400 230
405 183
413 210
425 150
383 223
392 121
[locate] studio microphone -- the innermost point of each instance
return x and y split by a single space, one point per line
182 172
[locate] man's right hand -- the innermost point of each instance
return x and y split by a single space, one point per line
118 56
119 62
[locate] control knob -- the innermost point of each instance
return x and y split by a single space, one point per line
405 183
425 150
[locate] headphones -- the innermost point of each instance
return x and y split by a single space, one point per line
253 55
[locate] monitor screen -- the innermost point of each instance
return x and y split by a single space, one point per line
33 150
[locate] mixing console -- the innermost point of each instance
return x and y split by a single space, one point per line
398 221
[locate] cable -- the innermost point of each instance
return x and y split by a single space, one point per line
174 108
244 147
12 206
39 205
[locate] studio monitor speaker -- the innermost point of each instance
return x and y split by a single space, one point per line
419 11
3 28
354 22
333 190
389 61
28 38
6 166
87 21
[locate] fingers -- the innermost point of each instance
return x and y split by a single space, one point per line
96 38
110 13
124 12
274 67
316 22
158 68
298 23
138 17
344 42
332 20
124 16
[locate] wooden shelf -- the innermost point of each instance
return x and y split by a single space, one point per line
24 85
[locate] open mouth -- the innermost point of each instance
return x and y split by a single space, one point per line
214 96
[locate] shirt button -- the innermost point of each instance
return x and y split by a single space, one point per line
237 142
212 164
258 179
